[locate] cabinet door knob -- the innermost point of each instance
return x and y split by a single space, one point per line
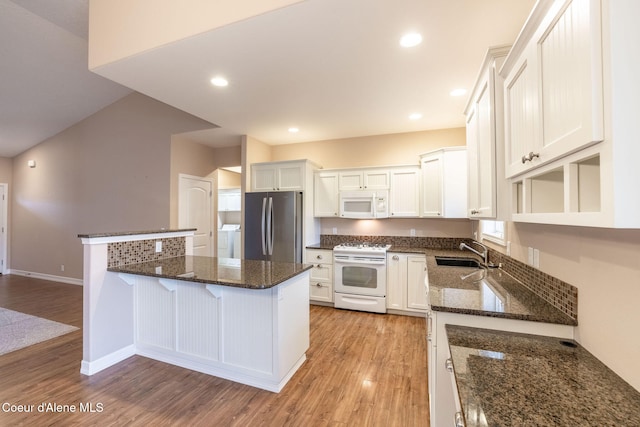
319 257
529 157
395 258
474 211
319 266
318 285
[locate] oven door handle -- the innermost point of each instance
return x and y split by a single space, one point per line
360 261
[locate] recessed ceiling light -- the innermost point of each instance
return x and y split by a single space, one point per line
458 92
294 130
415 116
410 40
219 81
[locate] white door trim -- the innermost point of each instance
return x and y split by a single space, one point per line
5 229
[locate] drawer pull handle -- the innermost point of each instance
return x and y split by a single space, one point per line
449 365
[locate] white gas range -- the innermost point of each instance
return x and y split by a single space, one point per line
360 273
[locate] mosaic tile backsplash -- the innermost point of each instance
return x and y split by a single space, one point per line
122 253
561 295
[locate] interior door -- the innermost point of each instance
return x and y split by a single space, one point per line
195 211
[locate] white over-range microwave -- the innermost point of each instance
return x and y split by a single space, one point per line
364 204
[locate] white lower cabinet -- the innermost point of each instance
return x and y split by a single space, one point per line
321 276
406 276
443 401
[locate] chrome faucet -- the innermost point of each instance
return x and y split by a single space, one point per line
484 254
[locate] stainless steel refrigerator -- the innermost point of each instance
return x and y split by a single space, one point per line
273 226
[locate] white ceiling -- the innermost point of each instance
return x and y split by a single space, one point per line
332 68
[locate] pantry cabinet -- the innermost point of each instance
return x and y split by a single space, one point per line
406 275
487 190
553 85
444 183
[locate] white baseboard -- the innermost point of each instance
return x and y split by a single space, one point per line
51 277
90 368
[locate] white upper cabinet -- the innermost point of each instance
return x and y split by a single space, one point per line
326 202
405 193
281 176
553 90
521 115
444 183
581 63
367 179
229 200
487 195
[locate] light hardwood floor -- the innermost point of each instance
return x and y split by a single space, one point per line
362 369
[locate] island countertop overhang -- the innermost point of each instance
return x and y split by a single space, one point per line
239 273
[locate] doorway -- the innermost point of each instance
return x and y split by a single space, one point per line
195 196
4 190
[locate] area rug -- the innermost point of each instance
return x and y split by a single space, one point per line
19 330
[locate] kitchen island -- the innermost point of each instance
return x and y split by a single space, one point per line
242 320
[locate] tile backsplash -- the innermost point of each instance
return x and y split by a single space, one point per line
556 292
132 252
417 242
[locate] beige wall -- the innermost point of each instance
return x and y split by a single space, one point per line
253 151
6 170
377 150
109 172
228 179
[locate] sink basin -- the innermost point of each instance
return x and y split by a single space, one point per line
457 262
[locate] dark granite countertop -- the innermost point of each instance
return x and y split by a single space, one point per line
133 233
485 292
240 273
511 379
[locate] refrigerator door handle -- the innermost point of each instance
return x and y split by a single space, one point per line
262 224
270 227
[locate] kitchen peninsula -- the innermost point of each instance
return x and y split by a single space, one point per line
146 294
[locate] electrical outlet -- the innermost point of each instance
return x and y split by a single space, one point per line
335 230
61 267
413 232
158 245
530 256
508 248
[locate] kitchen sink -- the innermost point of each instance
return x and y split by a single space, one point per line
457 262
